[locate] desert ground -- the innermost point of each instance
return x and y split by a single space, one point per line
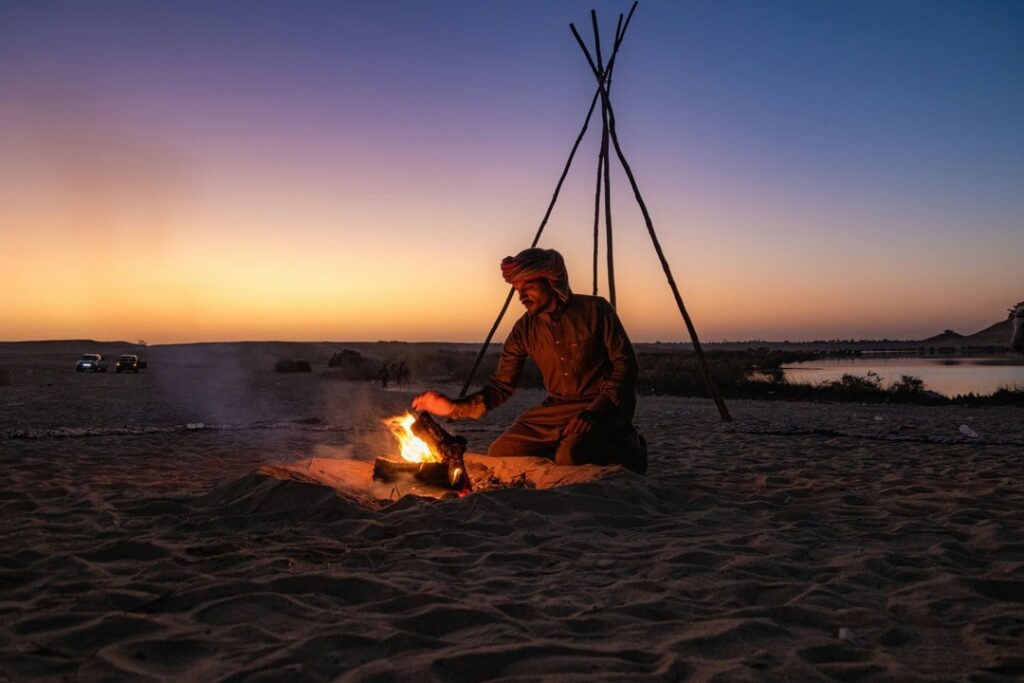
158 526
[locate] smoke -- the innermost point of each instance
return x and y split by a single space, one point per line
235 383
211 383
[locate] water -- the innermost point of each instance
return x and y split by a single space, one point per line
946 376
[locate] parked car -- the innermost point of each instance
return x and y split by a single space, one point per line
128 362
92 362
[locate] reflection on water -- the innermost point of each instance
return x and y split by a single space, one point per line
947 376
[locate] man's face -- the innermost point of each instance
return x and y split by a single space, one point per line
536 295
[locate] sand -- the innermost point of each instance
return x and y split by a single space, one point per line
141 541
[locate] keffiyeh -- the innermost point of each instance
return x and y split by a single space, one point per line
531 264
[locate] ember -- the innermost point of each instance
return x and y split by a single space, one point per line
430 454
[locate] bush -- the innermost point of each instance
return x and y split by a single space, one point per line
455 366
908 389
1004 396
284 365
869 383
732 372
757 374
346 358
352 365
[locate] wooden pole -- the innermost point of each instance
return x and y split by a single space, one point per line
702 361
603 166
597 213
620 34
609 249
536 239
691 329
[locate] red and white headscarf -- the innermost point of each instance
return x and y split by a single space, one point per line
531 264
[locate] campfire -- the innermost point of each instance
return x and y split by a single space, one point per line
429 454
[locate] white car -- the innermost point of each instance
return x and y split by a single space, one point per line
129 362
91 362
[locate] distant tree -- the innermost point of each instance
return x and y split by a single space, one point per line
287 365
1013 309
141 342
908 387
346 359
352 365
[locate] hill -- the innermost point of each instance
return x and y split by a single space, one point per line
997 334
947 337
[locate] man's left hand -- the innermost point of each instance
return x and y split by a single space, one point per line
580 424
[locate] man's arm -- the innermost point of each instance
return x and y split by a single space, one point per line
498 389
620 384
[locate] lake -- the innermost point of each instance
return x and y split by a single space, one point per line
946 376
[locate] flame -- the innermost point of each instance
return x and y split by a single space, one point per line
414 449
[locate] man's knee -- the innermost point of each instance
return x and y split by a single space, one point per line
567 452
596 447
512 444
504 447
579 449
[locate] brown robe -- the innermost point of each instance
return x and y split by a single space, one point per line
587 363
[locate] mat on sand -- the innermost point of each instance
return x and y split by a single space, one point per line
354 478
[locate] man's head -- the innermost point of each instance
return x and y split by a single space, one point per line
539 277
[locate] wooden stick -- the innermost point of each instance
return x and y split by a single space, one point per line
603 165
702 362
609 248
597 40
606 109
602 152
597 213
551 205
536 239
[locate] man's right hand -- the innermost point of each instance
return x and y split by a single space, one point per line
434 402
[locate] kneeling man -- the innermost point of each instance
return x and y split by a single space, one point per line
588 366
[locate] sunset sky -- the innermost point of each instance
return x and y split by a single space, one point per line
179 171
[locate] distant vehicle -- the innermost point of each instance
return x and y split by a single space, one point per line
129 362
91 362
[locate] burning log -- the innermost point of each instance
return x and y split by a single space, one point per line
451 448
433 473
432 455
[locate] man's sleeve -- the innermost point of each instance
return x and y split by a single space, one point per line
621 381
502 383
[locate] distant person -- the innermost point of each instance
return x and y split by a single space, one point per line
1017 339
384 374
402 373
588 366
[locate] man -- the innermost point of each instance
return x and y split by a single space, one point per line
588 366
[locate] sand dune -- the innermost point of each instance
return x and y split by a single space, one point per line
804 542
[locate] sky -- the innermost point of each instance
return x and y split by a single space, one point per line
215 171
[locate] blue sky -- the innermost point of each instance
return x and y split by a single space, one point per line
813 169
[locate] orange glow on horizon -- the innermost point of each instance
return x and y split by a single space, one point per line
140 247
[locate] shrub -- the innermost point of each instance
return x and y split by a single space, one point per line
346 358
908 388
284 365
352 365
1004 396
869 383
